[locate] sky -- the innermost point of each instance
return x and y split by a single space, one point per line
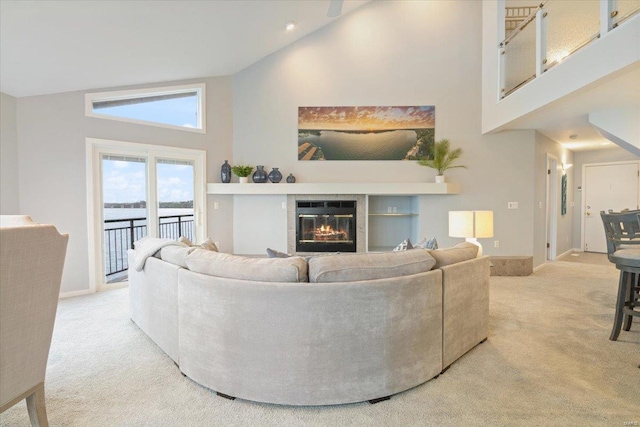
178 112
125 181
366 118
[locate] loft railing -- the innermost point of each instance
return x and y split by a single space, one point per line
551 32
120 234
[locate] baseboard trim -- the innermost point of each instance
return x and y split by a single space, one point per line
570 251
540 266
74 293
110 286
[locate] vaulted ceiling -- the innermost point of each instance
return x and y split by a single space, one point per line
60 46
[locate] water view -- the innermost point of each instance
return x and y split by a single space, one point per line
341 145
124 226
120 213
365 133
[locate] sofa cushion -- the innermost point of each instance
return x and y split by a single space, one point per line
368 266
457 253
293 269
176 254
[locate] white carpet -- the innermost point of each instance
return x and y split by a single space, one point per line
548 361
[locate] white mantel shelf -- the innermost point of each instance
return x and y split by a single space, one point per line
370 188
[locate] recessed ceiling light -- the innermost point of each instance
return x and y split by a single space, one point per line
289 25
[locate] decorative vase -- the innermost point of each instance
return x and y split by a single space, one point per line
260 176
275 176
439 179
291 179
225 172
243 179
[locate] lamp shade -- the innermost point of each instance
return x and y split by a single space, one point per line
475 224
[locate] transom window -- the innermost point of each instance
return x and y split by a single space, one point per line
177 107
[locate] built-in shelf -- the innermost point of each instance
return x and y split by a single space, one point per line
390 189
391 219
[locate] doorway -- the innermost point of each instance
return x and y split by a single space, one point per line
552 207
606 186
137 190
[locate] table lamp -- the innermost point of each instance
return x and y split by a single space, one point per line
471 225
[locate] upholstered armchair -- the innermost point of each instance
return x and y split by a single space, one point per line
31 262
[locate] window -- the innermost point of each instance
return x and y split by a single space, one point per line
177 107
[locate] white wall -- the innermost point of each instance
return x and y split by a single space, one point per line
51 152
9 198
388 53
581 158
622 126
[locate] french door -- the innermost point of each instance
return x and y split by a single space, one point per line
138 190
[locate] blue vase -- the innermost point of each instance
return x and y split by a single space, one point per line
291 179
260 176
275 176
225 172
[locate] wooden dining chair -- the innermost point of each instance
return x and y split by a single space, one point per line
622 231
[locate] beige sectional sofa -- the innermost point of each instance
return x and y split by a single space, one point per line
330 329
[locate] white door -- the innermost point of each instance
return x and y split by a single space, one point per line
607 187
138 190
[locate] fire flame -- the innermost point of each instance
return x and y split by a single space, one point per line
327 232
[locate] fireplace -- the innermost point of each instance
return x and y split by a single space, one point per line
325 226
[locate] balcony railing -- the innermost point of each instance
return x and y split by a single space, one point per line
553 31
120 234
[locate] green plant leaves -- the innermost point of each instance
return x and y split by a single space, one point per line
443 157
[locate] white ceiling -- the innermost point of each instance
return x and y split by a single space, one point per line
570 115
60 46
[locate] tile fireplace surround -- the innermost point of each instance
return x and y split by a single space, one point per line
361 218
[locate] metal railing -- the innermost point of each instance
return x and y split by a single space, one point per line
120 234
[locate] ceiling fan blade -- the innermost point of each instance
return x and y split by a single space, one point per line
335 8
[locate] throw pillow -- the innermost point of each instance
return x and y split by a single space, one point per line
406 244
207 244
427 244
272 253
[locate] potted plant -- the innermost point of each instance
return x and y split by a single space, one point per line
443 158
242 172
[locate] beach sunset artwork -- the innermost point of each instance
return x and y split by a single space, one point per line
365 133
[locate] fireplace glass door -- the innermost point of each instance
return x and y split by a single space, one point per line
326 226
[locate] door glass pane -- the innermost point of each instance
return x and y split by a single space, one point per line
124 196
175 180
